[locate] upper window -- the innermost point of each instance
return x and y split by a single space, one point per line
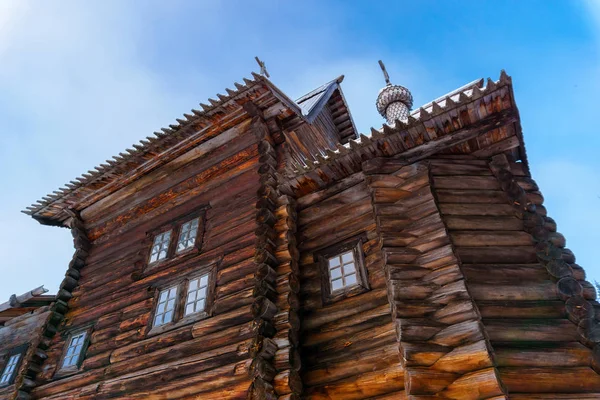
190 299
342 269
10 369
187 235
179 238
160 247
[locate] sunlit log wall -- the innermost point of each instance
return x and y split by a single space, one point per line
116 292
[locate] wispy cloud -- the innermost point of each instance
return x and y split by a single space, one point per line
73 93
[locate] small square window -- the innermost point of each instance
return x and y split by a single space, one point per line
197 295
187 235
160 247
343 270
74 350
10 370
165 310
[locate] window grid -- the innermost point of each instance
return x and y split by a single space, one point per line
166 306
342 271
10 369
160 247
74 350
196 295
187 236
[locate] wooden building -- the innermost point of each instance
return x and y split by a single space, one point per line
22 321
262 248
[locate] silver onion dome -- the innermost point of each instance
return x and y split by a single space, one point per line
394 101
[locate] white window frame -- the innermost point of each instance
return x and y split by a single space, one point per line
343 271
188 234
197 293
160 245
161 309
79 348
10 369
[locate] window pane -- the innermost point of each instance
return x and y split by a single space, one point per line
347 257
334 262
163 297
189 309
336 284
350 279
9 368
349 269
193 284
204 280
196 298
166 306
160 246
187 235
336 273
191 297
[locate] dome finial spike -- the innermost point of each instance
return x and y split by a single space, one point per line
385 73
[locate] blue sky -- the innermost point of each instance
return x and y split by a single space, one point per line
81 81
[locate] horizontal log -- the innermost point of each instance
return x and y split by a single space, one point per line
531 330
505 255
571 354
550 380
490 238
483 223
477 209
466 182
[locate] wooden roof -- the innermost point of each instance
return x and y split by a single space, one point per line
425 128
27 302
471 120
187 132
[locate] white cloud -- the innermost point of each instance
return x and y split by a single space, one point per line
72 93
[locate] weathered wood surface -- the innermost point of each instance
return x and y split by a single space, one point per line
203 358
444 349
536 345
349 348
22 331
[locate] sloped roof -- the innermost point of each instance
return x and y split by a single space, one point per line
465 94
26 302
149 153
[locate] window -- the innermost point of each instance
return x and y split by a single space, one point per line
166 306
187 235
342 270
10 370
176 241
190 299
74 352
160 247
196 295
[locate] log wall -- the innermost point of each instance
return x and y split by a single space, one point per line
445 351
349 348
537 348
209 358
24 330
